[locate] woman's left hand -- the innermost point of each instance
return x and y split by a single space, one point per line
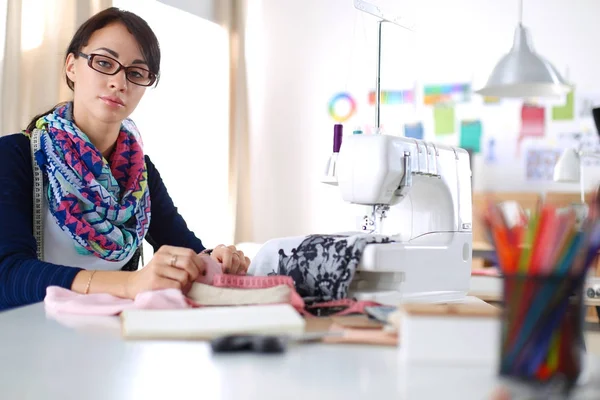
233 260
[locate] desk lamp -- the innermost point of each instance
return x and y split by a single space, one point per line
569 167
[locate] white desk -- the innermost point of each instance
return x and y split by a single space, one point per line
41 358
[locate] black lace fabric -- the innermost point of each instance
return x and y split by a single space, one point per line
322 266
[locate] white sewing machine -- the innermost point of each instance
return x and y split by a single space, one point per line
421 194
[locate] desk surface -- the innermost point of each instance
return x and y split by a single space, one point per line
85 358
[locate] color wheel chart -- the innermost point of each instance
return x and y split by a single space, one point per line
342 107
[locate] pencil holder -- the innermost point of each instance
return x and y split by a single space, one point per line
542 325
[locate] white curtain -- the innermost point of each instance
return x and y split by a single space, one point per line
37 34
233 14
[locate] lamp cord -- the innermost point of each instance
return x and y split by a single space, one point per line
520 12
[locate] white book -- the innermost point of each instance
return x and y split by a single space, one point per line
206 323
208 295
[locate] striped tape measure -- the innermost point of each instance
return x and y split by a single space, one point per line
38 187
251 282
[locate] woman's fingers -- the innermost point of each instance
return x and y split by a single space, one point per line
185 259
233 260
236 259
226 257
244 263
182 268
167 270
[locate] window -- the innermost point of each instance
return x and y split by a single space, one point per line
184 121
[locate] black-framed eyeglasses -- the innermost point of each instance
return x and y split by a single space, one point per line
109 66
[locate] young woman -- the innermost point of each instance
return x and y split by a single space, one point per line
101 196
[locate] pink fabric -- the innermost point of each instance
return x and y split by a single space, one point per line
63 301
213 268
59 300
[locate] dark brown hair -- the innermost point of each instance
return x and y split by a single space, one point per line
136 25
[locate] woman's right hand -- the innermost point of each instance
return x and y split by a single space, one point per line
170 268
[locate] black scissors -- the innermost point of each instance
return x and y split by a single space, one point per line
264 343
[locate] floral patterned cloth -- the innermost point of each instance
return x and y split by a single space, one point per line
322 266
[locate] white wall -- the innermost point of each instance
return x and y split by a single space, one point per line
303 52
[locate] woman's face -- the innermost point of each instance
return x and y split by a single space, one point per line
107 98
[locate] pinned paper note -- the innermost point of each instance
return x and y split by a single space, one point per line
586 141
470 135
540 164
393 97
532 123
565 112
585 102
414 131
499 148
490 152
444 120
491 100
447 94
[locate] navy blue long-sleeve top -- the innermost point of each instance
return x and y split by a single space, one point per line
24 278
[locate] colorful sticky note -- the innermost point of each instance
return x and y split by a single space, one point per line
444 120
470 135
392 97
446 94
491 100
567 111
532 123
414 131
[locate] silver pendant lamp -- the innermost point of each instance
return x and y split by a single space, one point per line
523 73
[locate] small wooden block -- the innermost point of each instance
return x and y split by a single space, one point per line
454 310
357 321
317 324
378 337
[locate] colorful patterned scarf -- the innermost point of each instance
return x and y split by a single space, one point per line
104 205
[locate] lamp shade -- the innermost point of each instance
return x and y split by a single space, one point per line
524 73
567 168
